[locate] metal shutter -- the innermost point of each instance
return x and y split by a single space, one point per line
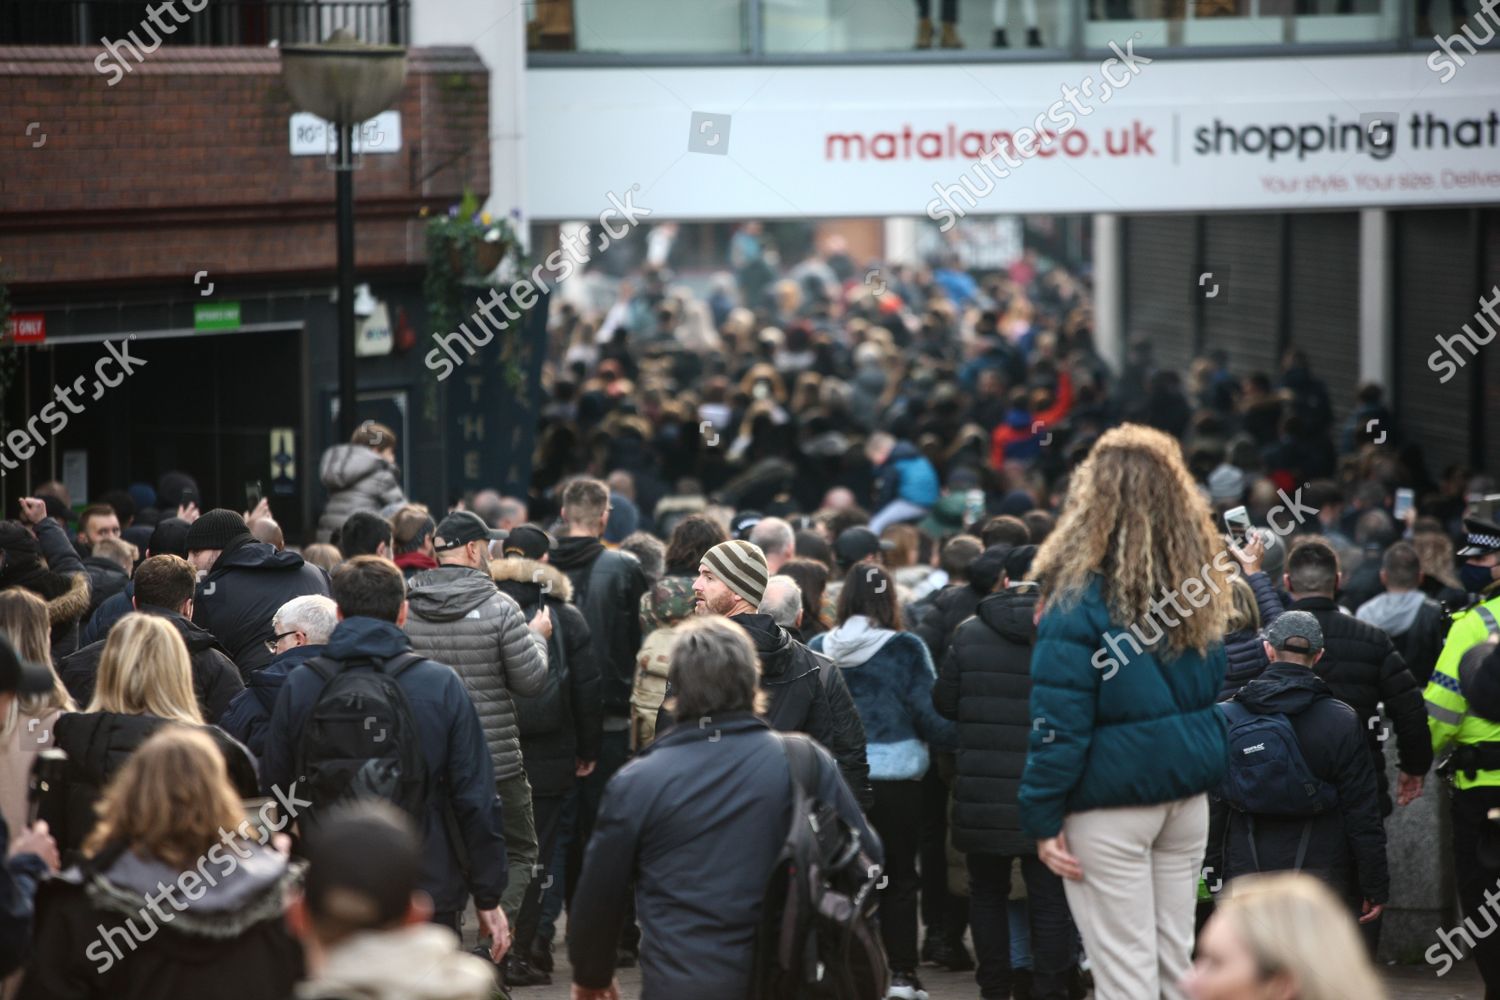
1246 251
1159 277
1324 299
1435 288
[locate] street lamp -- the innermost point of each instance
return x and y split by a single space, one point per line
345 82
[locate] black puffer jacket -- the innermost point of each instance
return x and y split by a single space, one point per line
803 697
106 579
951 606
1363 669
607 588
560 726
984 684
97 745
243 590
1341 841
215 679
1244 650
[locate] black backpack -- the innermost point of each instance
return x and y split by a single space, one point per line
817 936
360 739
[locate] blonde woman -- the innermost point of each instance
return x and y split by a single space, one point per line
1125 738
26 727
145 681
174 898
1281 937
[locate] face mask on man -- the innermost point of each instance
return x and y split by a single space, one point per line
1475 578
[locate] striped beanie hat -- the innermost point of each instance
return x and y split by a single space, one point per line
741 566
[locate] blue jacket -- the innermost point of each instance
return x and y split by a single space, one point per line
907 475
458 760
890 676
1243 650
1147 734
249 713
105 615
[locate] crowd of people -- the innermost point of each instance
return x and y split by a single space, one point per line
1092 672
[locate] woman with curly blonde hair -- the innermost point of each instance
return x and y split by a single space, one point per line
1125 738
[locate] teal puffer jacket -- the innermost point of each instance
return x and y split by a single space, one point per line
1113 728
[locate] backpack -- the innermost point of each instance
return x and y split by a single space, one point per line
818 937
360 739
1267 774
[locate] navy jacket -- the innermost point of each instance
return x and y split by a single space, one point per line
1136 732
1342 841
104 617
244 590
1244 651
458 760
249 714
696 821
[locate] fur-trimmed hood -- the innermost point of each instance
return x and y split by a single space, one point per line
544 577
72 604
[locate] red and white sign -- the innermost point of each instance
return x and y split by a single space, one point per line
1287 132
26 328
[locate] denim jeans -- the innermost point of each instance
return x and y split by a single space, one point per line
989 916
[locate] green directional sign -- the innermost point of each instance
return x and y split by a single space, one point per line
216 316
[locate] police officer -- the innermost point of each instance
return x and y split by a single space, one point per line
1463 714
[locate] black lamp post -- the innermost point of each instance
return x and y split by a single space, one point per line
345 82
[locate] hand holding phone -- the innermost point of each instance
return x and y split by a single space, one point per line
1237 523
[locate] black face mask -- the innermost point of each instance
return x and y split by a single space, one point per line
1475 578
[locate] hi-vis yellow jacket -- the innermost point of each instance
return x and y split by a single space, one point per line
1448 716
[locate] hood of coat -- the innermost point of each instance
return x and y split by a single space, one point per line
367 637
197 639
72 604
773 644
344 465
107 567
253 555
273 674
531 578
1012 613
448 593
576 552
419 962
855 641
1395 613
1287 688
236 887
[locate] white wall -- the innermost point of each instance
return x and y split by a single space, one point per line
497 31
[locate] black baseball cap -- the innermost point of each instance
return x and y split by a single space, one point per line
858 543
1295 632
462 527
20 675
527 541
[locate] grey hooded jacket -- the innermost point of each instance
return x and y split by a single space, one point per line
457 616
356 479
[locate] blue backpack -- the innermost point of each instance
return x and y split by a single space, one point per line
1267 773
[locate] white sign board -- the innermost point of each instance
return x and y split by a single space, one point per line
1117 135
312 136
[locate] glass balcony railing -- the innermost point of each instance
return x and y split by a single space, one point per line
793 29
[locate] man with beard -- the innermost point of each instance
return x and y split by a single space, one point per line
731 582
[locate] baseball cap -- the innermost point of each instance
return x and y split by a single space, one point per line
462 527
1295 632
21 675
858 543
527 541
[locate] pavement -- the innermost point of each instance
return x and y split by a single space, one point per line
1403 982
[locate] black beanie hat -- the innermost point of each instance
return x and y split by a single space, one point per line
215 530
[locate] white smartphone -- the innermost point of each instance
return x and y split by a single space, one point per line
1237 523
1404 500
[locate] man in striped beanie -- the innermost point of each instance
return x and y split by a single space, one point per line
731 580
